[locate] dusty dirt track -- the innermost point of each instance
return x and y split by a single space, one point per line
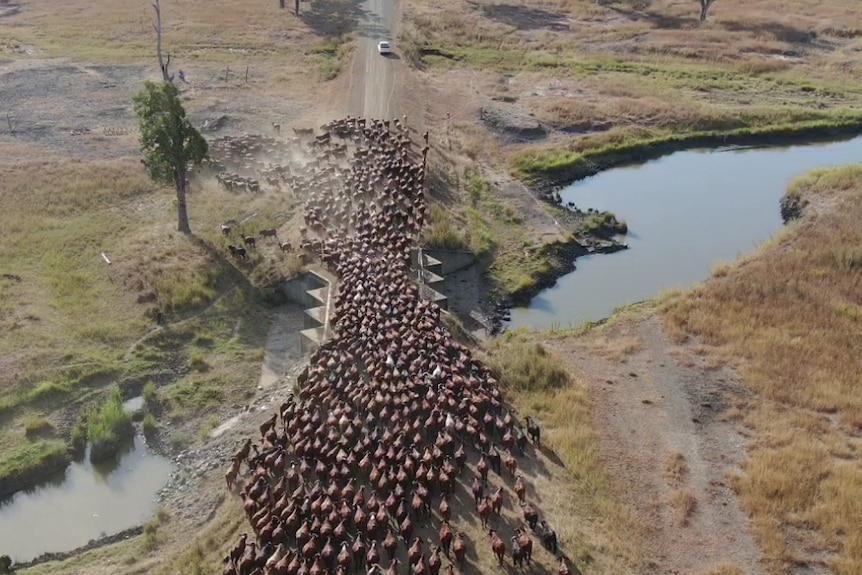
657 410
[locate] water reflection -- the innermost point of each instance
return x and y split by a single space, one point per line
84 502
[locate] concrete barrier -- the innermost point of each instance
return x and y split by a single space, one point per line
450 261
296 289
311 290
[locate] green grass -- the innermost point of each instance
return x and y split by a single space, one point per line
29 461
443 232
198 362
53 392
189 289
78 435
108 425
484 224
195 394
332 56
209 425
632 146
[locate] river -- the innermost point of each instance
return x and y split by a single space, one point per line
686 212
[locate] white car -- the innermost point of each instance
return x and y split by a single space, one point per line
383 47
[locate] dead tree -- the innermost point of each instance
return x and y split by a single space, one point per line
163 64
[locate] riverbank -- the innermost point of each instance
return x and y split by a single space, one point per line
546 170
586 236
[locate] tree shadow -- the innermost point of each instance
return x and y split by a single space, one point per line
441 185
781 32
331 17
525 18
660 21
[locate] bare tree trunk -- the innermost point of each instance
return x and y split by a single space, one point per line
162 63
182 209
704 8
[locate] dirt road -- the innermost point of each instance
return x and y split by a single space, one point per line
371 92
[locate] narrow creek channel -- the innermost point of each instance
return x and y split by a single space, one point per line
686 212
84 502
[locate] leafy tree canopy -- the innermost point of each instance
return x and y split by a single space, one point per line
169 141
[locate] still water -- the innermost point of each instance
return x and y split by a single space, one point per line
85 502
686 212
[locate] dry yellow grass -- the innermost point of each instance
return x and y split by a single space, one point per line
597 531
614 348
676 469
603 68
725 569
197 33
789 318
681 499
684 502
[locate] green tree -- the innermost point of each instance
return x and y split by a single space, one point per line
169 141
704 8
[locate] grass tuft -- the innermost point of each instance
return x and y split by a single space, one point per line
37 426
443 232
108 426
150 395
150 426
604 223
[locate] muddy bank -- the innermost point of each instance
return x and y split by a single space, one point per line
31 476
546 182
560 258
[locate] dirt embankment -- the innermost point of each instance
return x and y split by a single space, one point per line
32 475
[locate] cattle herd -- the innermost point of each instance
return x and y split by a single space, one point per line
393 421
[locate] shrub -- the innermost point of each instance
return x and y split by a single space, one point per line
78 439
603 224
209 425
151 535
